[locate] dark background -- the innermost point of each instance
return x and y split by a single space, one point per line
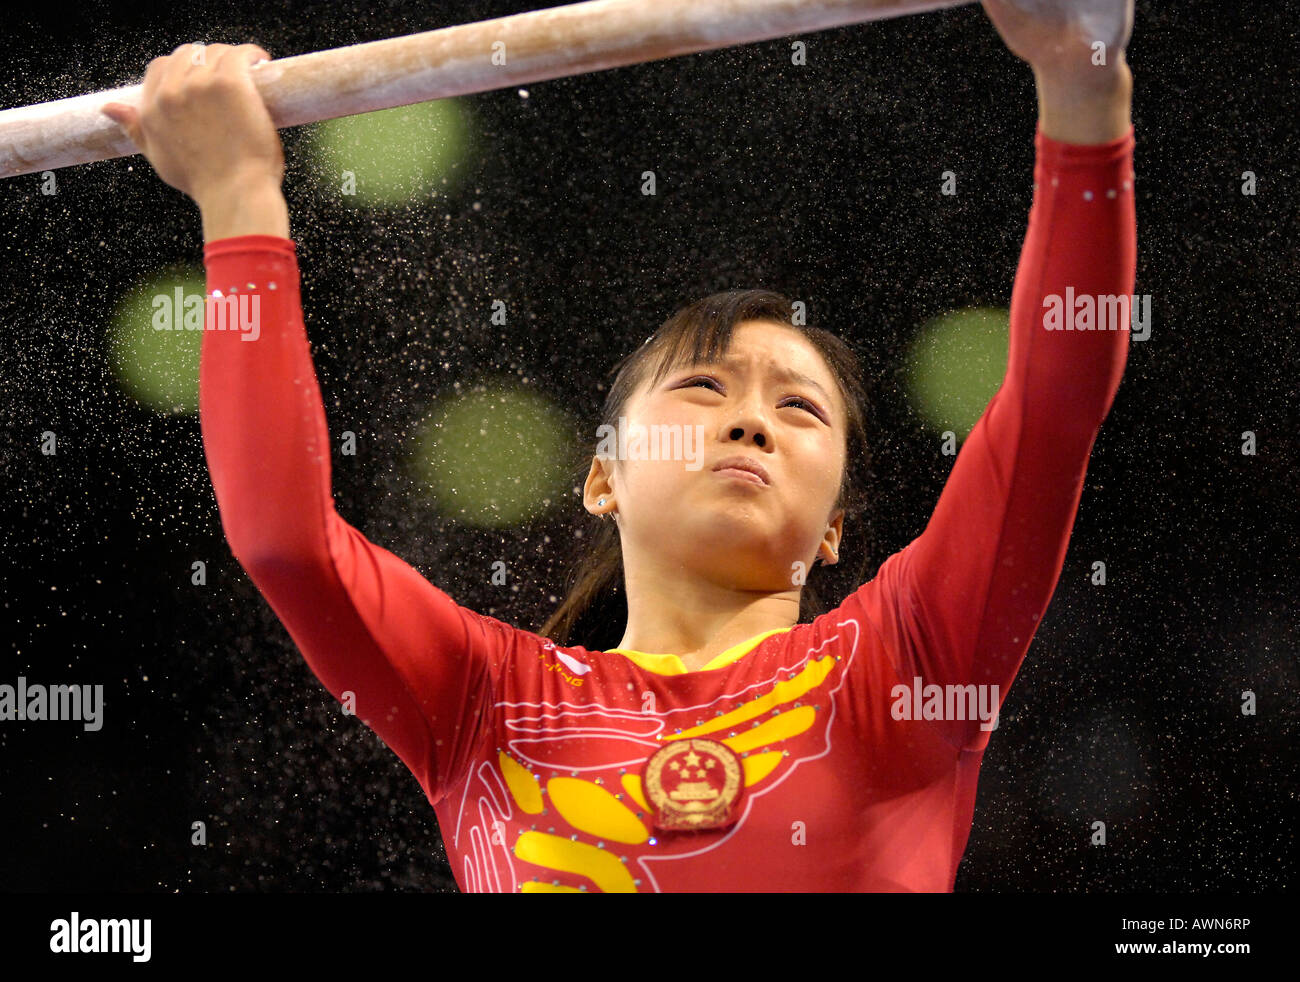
820 181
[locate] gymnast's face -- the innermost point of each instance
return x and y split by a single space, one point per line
771 398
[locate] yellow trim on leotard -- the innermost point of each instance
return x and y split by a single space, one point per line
668 664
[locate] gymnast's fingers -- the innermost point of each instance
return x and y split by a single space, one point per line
128 116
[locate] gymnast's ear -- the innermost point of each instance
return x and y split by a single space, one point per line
598 485
829 549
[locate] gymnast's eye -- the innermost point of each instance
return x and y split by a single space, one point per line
690 382
808 405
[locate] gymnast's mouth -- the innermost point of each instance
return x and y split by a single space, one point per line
743 468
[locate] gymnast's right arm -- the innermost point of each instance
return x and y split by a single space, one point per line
420 667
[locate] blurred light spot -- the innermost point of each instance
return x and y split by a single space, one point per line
956 365
1097 770
393 155
495 457
159 368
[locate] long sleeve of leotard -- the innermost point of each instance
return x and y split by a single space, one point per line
960 603
412 664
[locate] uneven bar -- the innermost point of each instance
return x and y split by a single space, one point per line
452 61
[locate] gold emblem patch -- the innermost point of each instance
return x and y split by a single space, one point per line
693 784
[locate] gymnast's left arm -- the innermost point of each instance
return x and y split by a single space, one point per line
970 590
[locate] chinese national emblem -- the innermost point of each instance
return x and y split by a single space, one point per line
693 784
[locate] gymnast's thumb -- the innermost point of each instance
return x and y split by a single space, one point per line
124 116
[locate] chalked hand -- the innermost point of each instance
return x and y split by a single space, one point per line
201 122
1064 36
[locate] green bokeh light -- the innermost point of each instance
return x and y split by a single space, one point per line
158 368
495 457
956 365
396 155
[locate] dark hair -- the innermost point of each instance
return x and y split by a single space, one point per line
594 611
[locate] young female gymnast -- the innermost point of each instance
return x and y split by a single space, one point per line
723 745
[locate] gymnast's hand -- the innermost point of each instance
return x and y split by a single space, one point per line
1059 37
1076 49
202 123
